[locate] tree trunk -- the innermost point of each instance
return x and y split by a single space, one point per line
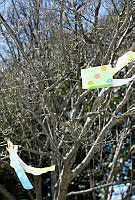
62 185
133 143
53 182
38 189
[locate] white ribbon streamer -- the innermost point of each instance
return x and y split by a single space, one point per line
123 61
120 82
32 170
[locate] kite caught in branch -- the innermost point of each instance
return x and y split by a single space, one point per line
102 76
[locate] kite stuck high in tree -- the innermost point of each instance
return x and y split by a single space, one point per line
102 76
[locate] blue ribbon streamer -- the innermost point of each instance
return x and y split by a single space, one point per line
19 170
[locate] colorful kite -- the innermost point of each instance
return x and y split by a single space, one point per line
20 167
102 76
97 77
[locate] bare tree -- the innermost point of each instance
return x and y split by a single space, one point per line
43 107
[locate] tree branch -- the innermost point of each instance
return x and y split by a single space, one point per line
113 121
13 36
118 32
96 13
89 190
5 193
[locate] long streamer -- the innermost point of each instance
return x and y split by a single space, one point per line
32 170
123 61
19 170
120 82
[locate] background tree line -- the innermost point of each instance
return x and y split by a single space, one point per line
85 133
